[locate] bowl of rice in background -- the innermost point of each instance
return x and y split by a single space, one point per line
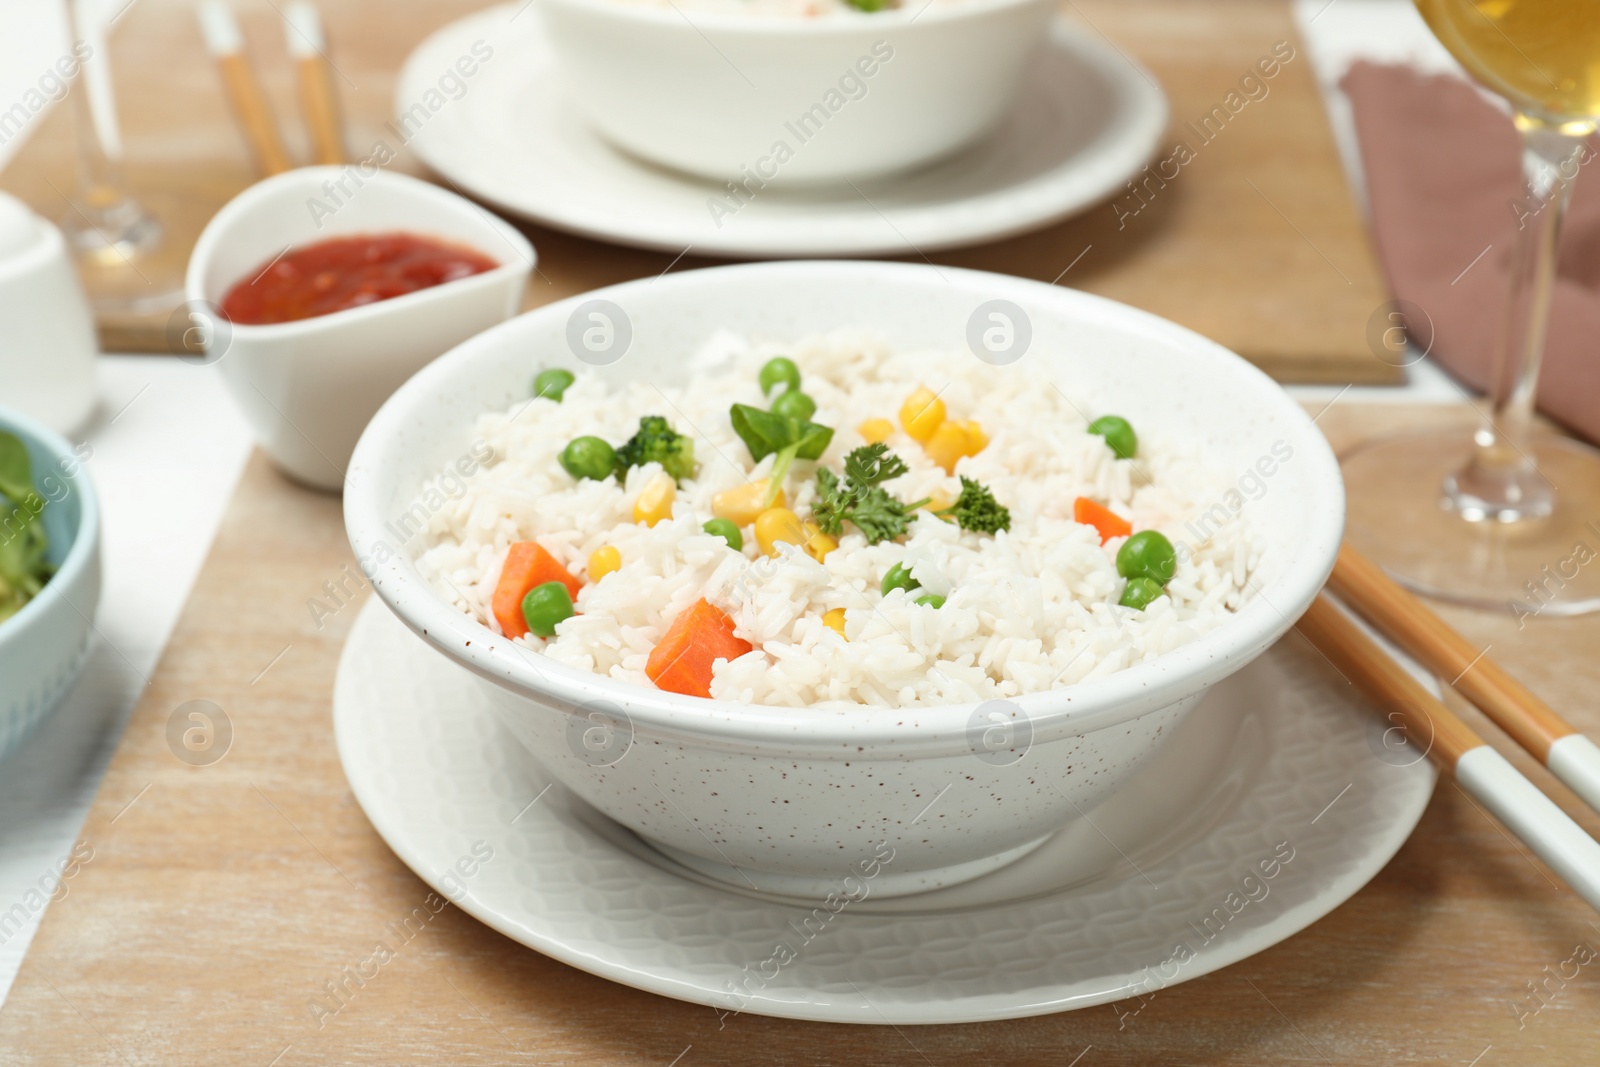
793 92
935 743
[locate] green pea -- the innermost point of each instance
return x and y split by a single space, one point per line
544 606
552 384
726 529
794 405
899 577
589 457
1147 554
932 600
1140 593
780 370
1118 434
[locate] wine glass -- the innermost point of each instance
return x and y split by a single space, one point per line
111 232
1503 517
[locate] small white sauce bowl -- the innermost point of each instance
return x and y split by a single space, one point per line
792 799
849 96
308 387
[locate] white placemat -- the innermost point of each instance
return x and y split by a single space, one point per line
168 447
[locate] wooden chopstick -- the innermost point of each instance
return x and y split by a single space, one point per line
1529 721
1481 772
226 45
308 46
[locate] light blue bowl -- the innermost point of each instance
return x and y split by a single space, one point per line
43 646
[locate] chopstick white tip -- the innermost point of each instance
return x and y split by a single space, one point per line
303 30
1535 818
1575 760
220 28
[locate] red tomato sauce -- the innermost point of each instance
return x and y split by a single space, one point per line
347 272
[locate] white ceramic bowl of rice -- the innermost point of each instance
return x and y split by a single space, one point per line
929 745
793 92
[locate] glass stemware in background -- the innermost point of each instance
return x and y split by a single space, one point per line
109 230
1501 518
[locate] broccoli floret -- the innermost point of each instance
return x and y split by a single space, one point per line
657 442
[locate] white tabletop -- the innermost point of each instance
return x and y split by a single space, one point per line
169 446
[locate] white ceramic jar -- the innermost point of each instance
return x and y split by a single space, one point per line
47 339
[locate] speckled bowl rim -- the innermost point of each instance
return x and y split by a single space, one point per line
1069 711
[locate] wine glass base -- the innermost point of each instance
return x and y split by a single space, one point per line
131 271
1398 516
112 233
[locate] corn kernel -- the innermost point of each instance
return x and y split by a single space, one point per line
977 440
939 500
742 505
817 544
875 431
947 445
777 526
655 502
921 414
602 561
834 620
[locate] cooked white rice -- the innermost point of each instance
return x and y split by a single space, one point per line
1029 609
796 9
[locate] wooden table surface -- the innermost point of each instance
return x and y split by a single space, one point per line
217 901
1254 243
209 905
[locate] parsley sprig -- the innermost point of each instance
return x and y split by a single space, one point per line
977 509
859 497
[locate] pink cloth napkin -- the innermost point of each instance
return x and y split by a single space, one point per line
1444 181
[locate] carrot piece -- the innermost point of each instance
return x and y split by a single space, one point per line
527 565
694 642
1102 518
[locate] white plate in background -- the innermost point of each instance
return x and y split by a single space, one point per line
1089 119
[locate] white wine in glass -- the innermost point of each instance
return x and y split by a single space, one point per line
1541 55
1503 517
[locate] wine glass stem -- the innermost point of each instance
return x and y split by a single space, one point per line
108 226
99 172
1501 481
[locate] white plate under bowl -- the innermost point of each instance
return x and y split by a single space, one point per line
1279 757
1088 119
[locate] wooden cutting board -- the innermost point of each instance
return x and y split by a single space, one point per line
1255 242
218 900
